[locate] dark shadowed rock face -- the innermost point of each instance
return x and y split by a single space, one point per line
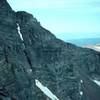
35 53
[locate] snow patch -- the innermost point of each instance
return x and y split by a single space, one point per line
81 93
19 32
81 81
45 90
97 82
30 70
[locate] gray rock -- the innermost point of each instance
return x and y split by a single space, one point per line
40 55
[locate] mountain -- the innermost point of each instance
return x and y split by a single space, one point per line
29 54
85 41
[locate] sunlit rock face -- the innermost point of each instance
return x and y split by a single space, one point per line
36 53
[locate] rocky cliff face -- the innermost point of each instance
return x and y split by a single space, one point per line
29 52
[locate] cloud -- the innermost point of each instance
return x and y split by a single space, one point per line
70 6
63 15
52 3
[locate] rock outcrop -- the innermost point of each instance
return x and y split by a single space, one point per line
28 52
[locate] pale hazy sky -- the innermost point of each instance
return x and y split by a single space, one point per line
65 18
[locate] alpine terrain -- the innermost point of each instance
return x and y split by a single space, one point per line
35 65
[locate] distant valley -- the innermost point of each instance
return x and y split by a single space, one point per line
85 41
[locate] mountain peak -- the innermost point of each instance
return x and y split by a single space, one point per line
5 8
29 52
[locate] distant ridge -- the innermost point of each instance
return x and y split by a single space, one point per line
85 41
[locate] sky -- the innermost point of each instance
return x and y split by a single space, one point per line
67 19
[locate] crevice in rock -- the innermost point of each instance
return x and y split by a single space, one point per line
6 55
28 59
